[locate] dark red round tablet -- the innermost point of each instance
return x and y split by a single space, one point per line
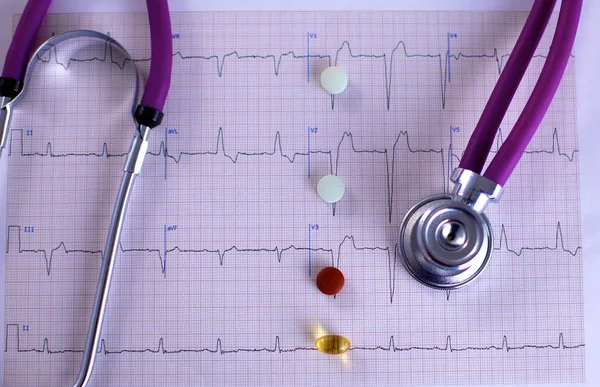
330 281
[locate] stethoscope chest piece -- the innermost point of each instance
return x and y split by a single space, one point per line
445 243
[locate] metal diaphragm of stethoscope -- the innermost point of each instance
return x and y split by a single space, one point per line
445 241
148 114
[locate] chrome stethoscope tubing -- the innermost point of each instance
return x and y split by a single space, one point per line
147 115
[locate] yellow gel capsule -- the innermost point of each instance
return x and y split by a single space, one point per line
333 344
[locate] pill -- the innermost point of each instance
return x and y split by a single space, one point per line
331 188
333 344
330 281
334 80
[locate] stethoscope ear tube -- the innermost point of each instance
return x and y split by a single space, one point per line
132 167
43 51
22 43
8 104
159 79
133 164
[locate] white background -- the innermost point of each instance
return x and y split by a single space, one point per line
588 58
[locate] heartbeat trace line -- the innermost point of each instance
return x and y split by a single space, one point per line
278 348
402 139
442 58
334 254
220 145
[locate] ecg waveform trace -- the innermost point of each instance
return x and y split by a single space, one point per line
333 156
334 254
220 146
227 198
278 348
52 55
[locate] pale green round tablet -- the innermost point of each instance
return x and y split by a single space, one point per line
334 80
331 188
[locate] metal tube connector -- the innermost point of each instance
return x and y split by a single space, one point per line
474 190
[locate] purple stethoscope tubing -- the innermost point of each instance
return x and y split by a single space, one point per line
159 78
21 45
485 131
445 241
148 115
483 136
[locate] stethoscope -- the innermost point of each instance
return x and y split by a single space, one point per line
445 241
147 115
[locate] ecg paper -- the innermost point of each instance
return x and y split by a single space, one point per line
215 277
